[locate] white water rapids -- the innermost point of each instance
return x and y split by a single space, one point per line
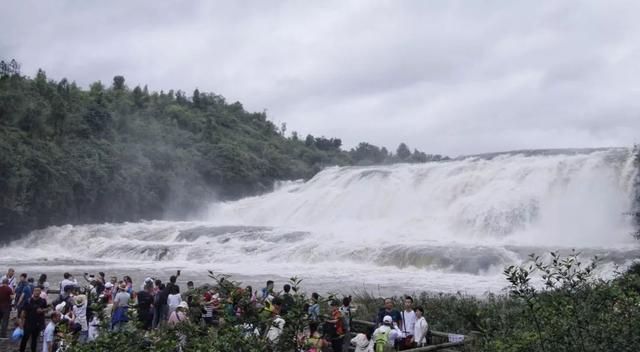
444 226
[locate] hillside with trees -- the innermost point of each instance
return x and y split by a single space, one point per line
115 153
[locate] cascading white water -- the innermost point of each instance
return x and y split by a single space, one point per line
441 226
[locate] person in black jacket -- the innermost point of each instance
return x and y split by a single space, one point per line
32 320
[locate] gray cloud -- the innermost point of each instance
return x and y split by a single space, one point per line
448 77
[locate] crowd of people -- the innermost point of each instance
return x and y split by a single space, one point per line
160 304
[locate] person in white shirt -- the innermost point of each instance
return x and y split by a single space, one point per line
277 325
421 327
11 277
174 298
388 332
49 333
80 311
408 320
362 343
68 281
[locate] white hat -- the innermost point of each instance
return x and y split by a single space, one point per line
184 305
60 307
387 319
108 285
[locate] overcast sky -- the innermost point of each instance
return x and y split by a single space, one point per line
447 77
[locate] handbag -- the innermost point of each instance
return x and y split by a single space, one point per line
17 334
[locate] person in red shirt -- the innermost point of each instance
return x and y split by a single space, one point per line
337 338
6 294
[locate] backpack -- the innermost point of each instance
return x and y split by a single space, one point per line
381 341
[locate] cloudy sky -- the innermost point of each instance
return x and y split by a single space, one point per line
451 77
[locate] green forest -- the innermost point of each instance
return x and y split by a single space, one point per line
115 153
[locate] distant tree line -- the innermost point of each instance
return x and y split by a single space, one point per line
112 153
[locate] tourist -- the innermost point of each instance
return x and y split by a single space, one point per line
23 293
179 315
157 283
188 295
32 320
335 327
120 308
145 305
421 328
67 284
345 311
43 283
108 292
276 327
211 305
267 292
315 340
6 294
11 278
80 313
129 282
385 335
49 333
314 307
173 279
388 310
362 342
174 298
157 306
407 324
287 299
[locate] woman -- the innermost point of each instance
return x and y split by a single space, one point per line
421 327
120 308
362 342
179 315
174 299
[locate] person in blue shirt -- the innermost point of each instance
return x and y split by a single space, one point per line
23 293
267 290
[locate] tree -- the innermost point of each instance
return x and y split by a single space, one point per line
9 69
309 141
138 98
367 154
196 98
403 152
118 83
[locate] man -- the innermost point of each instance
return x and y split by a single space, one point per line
23 293
32 320
67 285
145 305
188 295
314 307
388 310
11 277
6 294
49 333
408 323
267 291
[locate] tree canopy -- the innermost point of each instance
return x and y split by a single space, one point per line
70 155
